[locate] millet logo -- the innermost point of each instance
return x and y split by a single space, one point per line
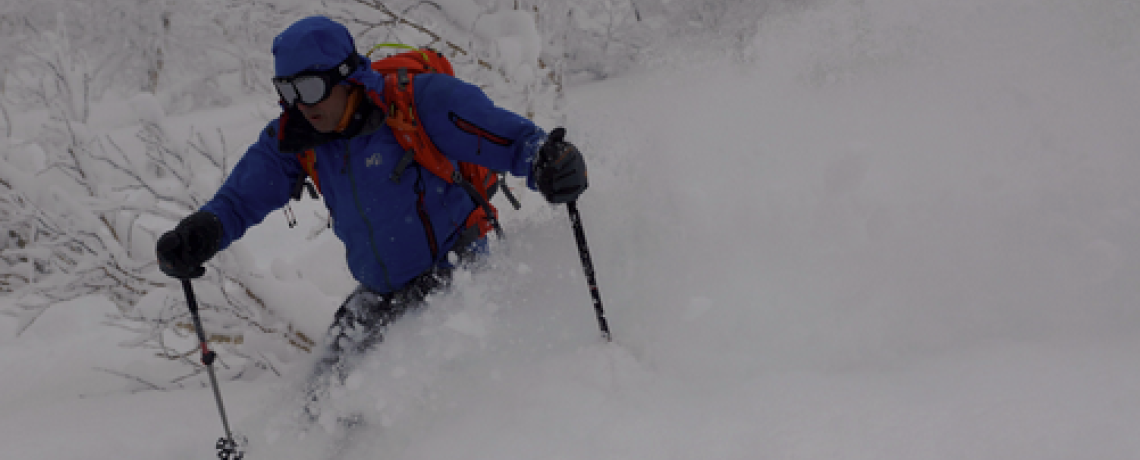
374 160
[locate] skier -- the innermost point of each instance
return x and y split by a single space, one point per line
403 238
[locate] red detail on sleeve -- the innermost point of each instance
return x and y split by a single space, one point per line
472 128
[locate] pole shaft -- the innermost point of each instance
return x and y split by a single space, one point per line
207 355
218 399
588 268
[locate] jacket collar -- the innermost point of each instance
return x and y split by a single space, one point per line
297 135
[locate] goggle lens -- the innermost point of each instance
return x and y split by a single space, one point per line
306 89
312 87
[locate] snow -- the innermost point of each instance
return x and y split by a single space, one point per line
885 229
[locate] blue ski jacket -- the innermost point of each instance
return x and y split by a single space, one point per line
384 224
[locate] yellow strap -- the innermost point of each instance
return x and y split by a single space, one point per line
396 45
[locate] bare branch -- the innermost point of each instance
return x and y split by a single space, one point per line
134 378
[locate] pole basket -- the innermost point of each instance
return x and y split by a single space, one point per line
228 450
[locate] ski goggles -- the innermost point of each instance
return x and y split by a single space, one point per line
313 86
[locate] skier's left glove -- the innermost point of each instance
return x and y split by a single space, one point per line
560 172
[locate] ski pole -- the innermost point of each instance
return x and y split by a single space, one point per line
588 267
227 448
556 137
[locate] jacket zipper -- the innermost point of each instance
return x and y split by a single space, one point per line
360 210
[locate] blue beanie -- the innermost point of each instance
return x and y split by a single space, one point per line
313 43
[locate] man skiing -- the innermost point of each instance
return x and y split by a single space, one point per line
403 237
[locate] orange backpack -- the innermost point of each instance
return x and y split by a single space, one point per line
399 93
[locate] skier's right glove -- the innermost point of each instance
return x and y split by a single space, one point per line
560 172
182 251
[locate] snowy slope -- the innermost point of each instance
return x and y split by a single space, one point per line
883 229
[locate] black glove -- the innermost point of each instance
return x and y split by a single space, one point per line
560 171
182 251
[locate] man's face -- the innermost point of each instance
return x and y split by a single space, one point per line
326 115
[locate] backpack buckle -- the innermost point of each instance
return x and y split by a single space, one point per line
402 78
408 158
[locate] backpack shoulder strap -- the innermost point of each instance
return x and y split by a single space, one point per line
308 160
399 93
